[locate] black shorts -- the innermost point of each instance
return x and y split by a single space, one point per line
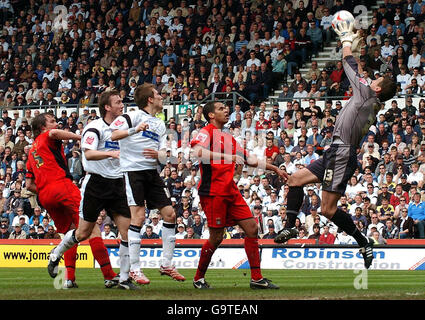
98 193
146 186
336 167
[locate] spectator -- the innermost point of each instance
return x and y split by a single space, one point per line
271 234
390 231
107 233
4 232
405 225
198 225
190 234
75 165
181 231
326 237
17 233
51 233
149 234
316 233
417 213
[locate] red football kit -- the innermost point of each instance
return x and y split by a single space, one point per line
47 165
220 198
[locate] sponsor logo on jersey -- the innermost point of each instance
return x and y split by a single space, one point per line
151 135
89 140
112 145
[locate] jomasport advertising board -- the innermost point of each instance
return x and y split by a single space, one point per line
287 258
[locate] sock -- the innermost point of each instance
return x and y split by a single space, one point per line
168 243
205 259
67 242
101 255
70 257
134 247
295 199
251 249
345 222
124 261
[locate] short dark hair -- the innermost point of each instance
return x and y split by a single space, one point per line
208 107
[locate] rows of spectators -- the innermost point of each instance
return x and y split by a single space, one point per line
188 49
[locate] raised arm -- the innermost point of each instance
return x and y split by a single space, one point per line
121 134
253 161
207 156
59 134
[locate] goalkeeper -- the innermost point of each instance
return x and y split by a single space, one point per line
339 162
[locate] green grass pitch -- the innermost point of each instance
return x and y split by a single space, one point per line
35 284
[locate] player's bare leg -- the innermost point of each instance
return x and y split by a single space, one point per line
207 251
137 220
344 221
169 243
250 228
295 199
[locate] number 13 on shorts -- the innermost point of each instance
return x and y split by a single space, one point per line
328 176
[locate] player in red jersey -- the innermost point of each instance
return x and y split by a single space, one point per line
223 204
48 176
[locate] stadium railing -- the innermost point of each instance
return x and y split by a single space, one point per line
177 109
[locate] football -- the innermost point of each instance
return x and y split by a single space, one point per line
343 15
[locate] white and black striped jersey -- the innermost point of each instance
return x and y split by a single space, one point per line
97 136
131 148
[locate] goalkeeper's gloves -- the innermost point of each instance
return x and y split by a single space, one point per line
345 32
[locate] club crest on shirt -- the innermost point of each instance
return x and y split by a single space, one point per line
202 137
363 81
218 221
118 123
89 140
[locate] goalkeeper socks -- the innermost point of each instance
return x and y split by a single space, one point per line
207 252
70 258
124 261
134 247
251 249
101 255
294 202
168 243
345 222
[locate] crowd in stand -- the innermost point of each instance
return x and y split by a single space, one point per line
190 49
